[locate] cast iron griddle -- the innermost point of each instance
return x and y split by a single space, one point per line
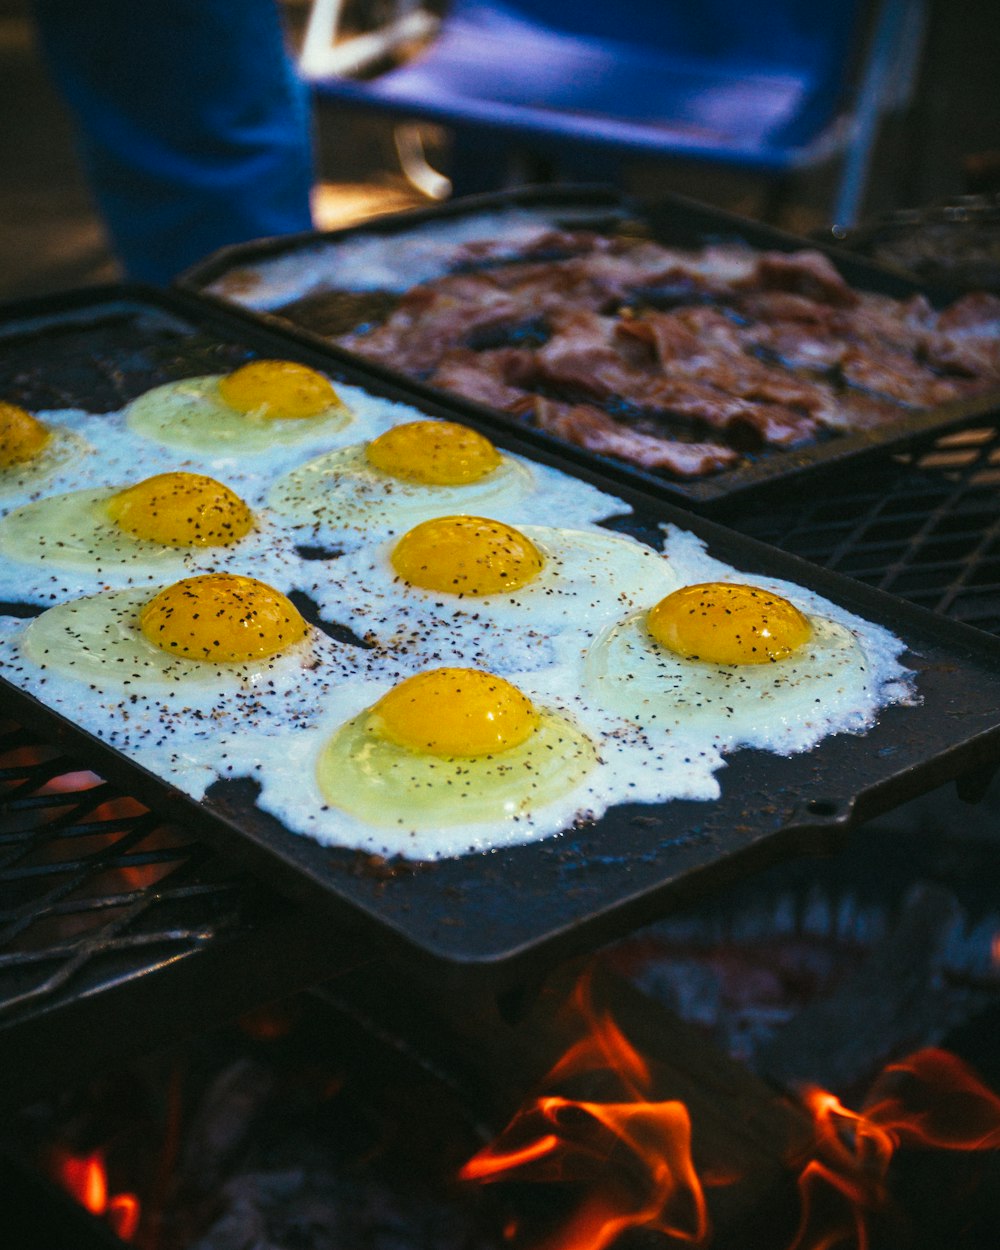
671 220
504 915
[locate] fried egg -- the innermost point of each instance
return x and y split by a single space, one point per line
447 761
163 526
417 470
411 471
263 404
32 450
214 628
169 674
476 590
741 666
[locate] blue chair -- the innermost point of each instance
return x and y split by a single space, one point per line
771 87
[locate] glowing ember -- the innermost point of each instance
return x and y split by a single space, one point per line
631 1156
85 1178
122 1213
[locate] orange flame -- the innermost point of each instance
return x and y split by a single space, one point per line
943 1104
652 1183
930 1099
85 1178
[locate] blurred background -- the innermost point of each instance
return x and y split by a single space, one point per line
943 141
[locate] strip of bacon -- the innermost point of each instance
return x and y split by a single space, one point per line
490 378
588 427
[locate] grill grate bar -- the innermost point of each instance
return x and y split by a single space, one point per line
30 775
60 901
111 939
58 831
64 798
70 876
89 864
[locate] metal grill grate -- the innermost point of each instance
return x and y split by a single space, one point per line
118 931
94 887
923 525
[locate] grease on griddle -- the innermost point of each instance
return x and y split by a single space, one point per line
106 362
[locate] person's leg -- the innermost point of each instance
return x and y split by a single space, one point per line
194 128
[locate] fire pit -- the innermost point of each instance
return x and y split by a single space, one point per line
598 1119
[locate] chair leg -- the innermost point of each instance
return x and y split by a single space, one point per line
409 141
887 84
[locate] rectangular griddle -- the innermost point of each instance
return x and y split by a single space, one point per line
673 221
511 914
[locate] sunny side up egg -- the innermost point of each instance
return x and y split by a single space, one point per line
447 762
31 450
457 754
163 526
418 470
740 666
471 590
179 666
412 471
260 406
211 629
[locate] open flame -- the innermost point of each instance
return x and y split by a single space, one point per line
85 1178
626 1160
929 1100
631 1156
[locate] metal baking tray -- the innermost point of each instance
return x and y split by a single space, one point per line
509 915
671 220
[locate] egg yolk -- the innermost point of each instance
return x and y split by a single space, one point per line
728 623
461 712
466 555
277 390
22 436
221 617
181 510
433 453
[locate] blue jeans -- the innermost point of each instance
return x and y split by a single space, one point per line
194 129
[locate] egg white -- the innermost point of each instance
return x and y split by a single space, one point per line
587 577
64 546
63 448
89 660
191 415
828 685
622 765
341 498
